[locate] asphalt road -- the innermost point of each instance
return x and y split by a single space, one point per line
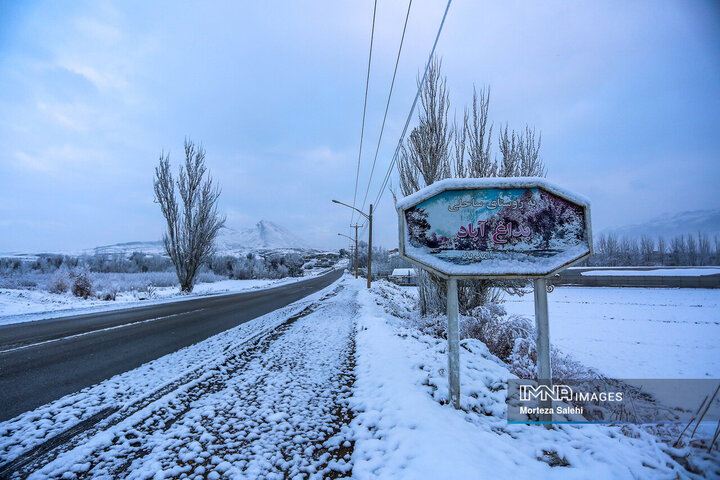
45 360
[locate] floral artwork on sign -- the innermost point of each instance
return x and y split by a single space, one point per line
496 230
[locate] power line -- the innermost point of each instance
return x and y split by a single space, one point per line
362 128
412 109
387 105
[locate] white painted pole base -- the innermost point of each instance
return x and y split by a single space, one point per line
543 342
453 333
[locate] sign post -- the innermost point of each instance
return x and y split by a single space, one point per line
542 342
453 333
494 228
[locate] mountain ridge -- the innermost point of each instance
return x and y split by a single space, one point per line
671 225
263 235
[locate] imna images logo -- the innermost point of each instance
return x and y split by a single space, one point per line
565 393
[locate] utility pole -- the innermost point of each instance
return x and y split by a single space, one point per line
369 217
369 273
356 248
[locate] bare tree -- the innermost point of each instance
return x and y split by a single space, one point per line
647 249
662 250
434 151
520 154
425 159
475 138
425 156
531 165
703 249
193 222
510 153
678 250
691 250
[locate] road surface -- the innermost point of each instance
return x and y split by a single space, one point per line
45 360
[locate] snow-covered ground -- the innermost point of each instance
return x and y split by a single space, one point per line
337 384
635 332
405 429
26 305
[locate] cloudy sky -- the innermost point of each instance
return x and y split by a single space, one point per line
626 95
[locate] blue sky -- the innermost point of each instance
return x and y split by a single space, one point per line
626 95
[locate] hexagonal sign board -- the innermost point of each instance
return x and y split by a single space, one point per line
494 227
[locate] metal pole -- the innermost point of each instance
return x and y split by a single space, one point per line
369 272
453 334
356 252
543 342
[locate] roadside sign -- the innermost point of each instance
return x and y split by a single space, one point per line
494 227
516 227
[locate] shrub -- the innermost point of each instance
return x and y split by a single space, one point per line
510 338
491 325
82 284
60 282
111 292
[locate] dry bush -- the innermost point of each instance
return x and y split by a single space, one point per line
511 338
111 292
60 282
82 284
491 325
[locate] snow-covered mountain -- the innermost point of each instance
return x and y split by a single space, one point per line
671 225
154 248
263 235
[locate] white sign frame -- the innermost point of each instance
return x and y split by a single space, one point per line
491 183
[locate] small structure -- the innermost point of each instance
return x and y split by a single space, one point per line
403 276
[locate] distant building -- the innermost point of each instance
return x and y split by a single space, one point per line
403 276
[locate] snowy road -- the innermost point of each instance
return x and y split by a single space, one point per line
42 361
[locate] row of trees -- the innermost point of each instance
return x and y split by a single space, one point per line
689 250
255 266
136 262
383 263
250 265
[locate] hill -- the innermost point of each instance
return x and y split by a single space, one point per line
668 226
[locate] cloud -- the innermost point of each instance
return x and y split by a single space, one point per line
103 81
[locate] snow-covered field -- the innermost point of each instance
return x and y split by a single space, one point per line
337 384
656 272
25 305
635 332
